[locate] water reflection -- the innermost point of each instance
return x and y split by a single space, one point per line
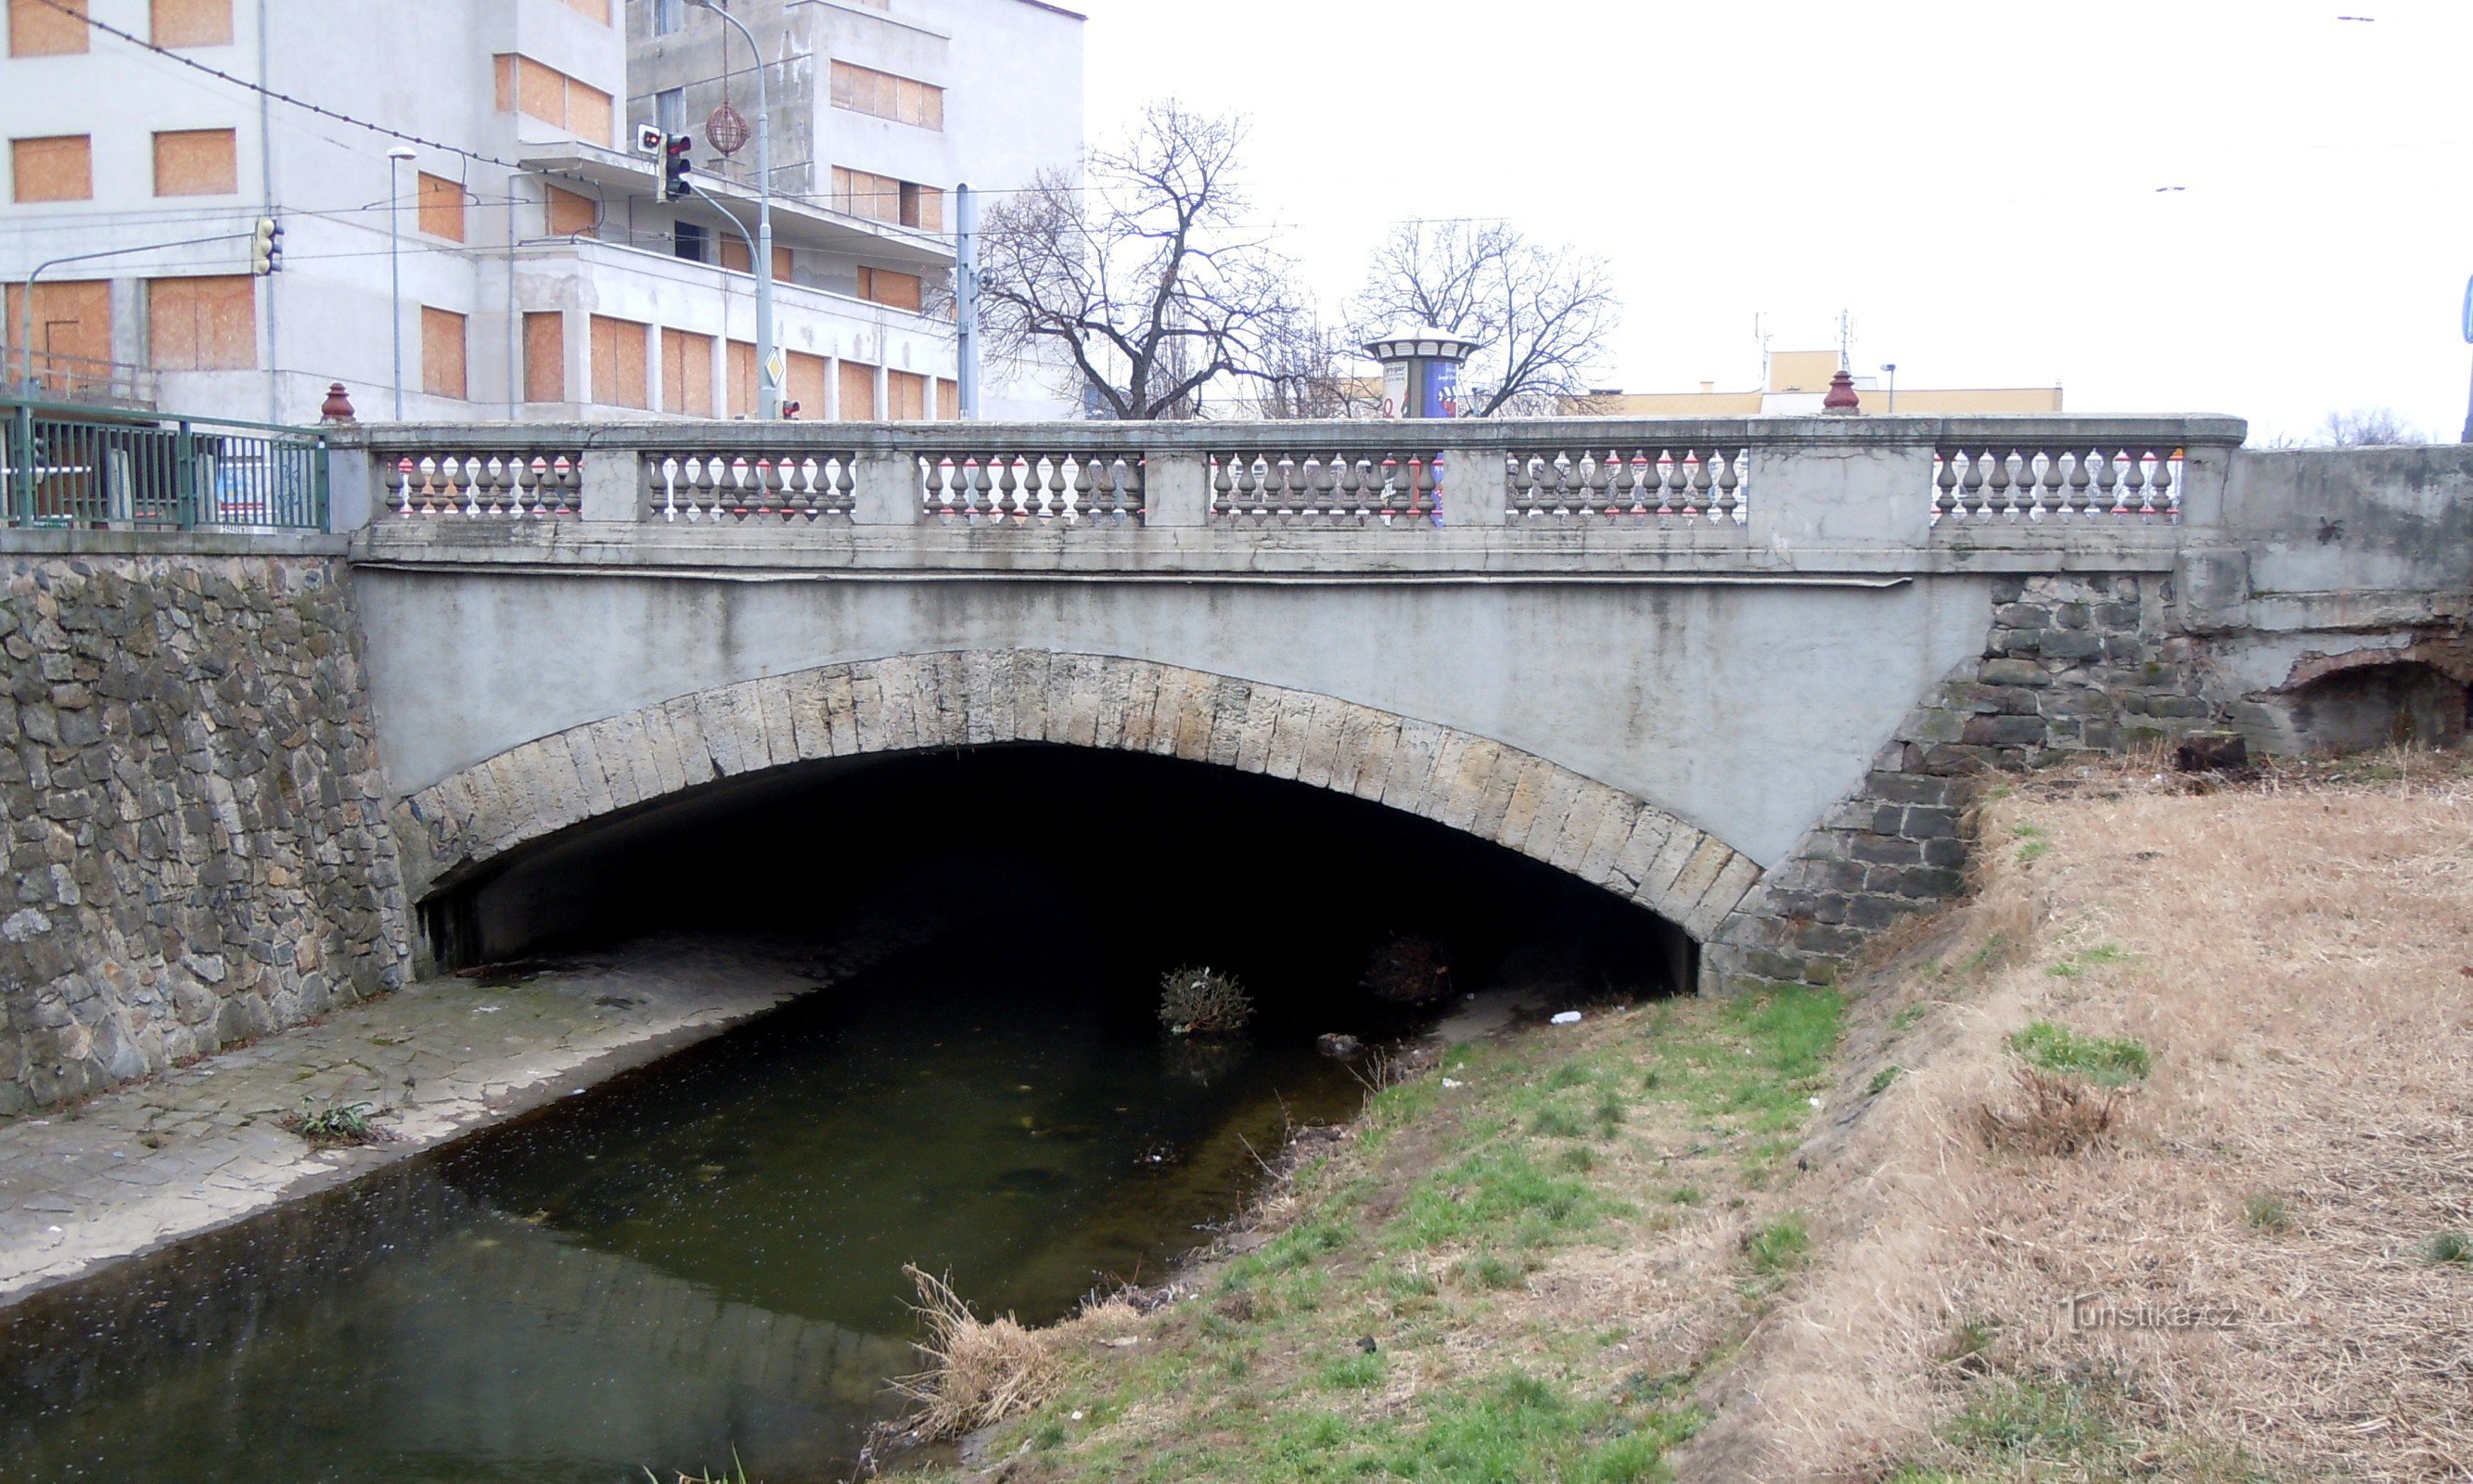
701 1258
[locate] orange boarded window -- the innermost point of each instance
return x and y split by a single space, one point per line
734 255
442 207
780 264
803 381
545 357
193 22
591 10
526 87
618 367
197 162
949 399
909 395
571 215
741 369
859 392
902 99
884 286
443 352
687 373
39 29
72 327
58 167
202 323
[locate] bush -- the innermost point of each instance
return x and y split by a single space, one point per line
980 1371
2050 1115
1409 971
1200 1002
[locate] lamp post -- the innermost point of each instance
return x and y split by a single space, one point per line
768 384
394 263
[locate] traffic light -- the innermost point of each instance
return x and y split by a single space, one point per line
266 247
674 167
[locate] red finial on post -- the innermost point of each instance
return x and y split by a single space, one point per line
1841 400
338 406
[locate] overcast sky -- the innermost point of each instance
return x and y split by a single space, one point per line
1977 181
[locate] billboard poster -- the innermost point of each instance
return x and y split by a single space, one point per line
1395 389
1442 390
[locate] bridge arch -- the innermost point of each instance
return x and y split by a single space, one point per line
472 820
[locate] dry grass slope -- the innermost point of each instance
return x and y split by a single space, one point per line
2246 1274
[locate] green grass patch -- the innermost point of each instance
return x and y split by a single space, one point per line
2266 1211
1780 1247
2107 1061
2449 1249
1496 1187
1360 1372
2078 963
1882 1079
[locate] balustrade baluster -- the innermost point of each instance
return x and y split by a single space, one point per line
1729 503
2168 500
2075 501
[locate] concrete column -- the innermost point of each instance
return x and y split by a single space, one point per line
1472 488
1176 488
831 411
2204 475
355 490
1825 495
613 486
887 493
576 332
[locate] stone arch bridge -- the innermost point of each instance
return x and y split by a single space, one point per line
1737 672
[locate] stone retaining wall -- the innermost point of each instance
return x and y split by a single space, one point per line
197 850
2073 664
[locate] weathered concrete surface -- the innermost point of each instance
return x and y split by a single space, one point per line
193 1149
197 849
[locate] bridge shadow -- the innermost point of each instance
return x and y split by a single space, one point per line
1148 862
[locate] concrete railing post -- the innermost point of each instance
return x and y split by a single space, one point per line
886 489
1474 495
1824 494
2205 472
1176 488
611 487
355 488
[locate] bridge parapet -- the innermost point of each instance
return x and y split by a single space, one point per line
1771 490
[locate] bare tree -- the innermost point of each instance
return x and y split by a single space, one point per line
1142 276
2365 427
1540 316
1317 371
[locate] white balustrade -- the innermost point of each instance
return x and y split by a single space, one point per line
2057 483
1344 488
1637 484
1022 489
497 487
739 489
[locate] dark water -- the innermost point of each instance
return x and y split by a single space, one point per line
703 1257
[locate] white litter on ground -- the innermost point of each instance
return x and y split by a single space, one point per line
1567 1017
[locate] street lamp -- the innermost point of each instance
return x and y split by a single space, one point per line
768 384
394 264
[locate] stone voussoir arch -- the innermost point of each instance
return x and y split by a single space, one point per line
965 698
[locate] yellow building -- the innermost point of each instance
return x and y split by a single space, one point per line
1797 381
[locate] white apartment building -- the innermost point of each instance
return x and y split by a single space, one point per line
541 276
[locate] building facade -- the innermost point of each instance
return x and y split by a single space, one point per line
519 252
1797 381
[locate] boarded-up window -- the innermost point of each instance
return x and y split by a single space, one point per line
197 162
443 349
442 207
202 323
193 22
884 286
780 264
740 368
949 399
37 28
687 373
618 367
58 168
803 381
591 10
734 255
526 87
908 392
545 357
887 199
859 392
72 329
902 99
571 215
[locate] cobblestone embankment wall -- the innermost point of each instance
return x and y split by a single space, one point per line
197 850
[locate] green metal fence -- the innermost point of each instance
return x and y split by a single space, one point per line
98 467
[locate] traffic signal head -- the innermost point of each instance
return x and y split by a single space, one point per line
266 247
674 168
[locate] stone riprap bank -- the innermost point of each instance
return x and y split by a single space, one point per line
196 842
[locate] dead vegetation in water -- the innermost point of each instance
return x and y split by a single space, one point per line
2240 1284
980 1371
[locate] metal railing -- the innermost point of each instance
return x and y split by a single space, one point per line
79 380
69 466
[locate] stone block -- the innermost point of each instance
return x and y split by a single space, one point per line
1412 766
1470 788
1028 686
1923 822
777 718
1381 746
2014 672
2004 730
1881 851
1290 721
1553 810
1226 710
1589 805
2071 644
1597 862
